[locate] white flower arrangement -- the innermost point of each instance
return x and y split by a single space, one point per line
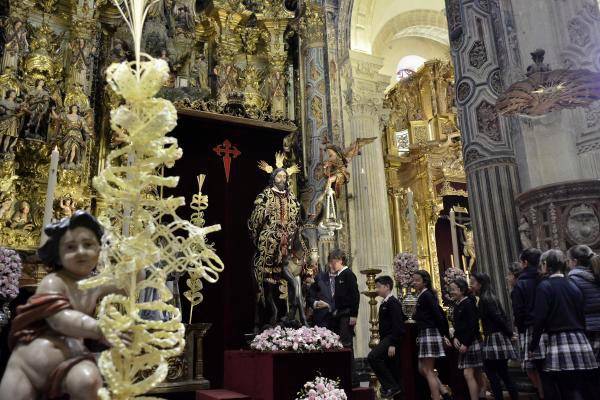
299 340
322 389
405 265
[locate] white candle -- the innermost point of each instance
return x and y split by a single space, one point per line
412 222
455 261
49 204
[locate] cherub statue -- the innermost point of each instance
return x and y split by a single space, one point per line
49 358
21 219
338 159
67 207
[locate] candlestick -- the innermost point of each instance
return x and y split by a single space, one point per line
412 221
49 203
455 260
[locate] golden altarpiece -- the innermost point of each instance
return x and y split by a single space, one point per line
229 59
424 170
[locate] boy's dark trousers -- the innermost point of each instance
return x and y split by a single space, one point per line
386 368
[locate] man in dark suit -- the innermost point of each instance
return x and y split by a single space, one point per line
320 299
345 297
384 357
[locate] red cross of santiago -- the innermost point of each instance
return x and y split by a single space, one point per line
228 152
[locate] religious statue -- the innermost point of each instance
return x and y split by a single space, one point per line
10 121
272 224
67 207
81 60
338 159
202 67
49 358
74 132
38 107
118 53
15 44
21 219
525 233
468 246
184 20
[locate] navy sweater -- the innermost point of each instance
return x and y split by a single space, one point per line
391 320
558 308
590 287
466 321
429 315
523 298
493 317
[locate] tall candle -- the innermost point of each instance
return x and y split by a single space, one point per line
49 203
455 259
412 221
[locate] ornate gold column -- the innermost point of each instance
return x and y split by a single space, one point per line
276 21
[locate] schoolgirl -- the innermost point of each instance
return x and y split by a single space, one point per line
497 345
433 333
467 339
559 311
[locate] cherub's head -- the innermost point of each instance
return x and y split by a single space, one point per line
74 109
24 207
73 244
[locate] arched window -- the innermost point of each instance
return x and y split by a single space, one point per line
408 65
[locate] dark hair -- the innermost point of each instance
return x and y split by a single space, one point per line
337 254
49 252
385 280
274 174
515 269
485 293
595 266
532 256
426 278
582 254
554 260
462 285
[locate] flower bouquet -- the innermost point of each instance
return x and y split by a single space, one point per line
321 389
303 339
10 273
405 265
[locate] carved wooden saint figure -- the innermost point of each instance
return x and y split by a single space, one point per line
272 225
74 132
10 121
338 159
15 44
81 61
21 219
38 106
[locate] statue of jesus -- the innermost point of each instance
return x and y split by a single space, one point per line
272 225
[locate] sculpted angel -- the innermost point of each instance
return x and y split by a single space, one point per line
15 44
74 132
336 166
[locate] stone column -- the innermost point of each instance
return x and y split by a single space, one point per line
370 228
481 64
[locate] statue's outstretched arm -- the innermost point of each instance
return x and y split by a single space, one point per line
75 324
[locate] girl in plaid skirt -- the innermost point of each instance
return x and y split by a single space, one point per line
433 332
467 339
497 345
559 311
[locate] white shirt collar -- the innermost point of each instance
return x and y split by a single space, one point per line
557 275
422 291
388 297
461 300
342 270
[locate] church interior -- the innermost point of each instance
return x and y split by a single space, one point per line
251 172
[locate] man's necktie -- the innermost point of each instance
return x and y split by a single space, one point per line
332 284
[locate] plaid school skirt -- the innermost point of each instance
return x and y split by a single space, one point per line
473 358
569 351
528 361
498 347
431 344
594 339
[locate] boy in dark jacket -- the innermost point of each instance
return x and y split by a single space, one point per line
383 358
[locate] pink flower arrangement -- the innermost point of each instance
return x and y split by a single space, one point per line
10 273
405 265
303 339
321 389
450 275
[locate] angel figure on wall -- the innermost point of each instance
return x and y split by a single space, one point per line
336 166
74 132
15 44
81 59
21 219
10 121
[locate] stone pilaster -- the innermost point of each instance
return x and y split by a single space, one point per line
480 60
370 230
